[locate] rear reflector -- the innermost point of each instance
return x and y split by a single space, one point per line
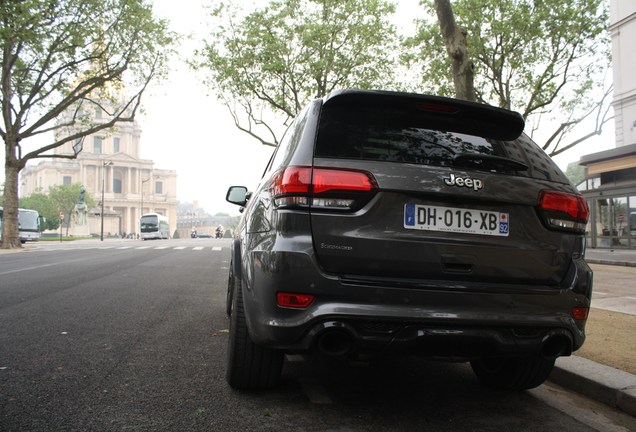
565 211
296 301
580 313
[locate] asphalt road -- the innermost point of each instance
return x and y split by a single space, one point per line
132 335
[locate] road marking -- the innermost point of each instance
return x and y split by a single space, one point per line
198 248
179 248
124 247
599 293
217 248
27 268
161 247
142 247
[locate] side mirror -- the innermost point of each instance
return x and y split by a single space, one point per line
237 195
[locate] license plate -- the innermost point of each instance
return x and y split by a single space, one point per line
454 219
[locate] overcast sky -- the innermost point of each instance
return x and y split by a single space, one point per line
187 130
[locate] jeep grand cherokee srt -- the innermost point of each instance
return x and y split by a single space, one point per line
404 223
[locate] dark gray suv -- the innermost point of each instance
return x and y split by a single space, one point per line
404 223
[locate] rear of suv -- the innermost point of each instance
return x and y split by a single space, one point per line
403 223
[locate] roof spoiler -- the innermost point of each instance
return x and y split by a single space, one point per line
475 118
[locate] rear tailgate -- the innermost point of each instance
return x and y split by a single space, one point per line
419 227
431 217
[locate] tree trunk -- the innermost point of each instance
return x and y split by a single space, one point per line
10 235
456 46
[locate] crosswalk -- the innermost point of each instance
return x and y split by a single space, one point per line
174 248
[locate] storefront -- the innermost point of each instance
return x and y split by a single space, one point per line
610 190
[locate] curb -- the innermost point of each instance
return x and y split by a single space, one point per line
610 262
613 387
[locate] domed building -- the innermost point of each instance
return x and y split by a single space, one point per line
109 166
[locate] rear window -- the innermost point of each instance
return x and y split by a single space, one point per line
360 133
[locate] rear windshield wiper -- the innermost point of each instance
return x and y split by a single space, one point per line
488 162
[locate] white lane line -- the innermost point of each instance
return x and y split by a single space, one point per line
27 269
179 248
161 247
198 248
217 248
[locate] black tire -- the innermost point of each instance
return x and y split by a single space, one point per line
230 288
249 366
517 373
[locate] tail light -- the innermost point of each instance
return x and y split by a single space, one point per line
580 313
294 300
322 188
563 211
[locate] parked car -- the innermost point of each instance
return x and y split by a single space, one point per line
404 223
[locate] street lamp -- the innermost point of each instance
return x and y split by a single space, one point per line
104 165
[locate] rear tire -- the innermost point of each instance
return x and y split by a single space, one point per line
249 366
517 373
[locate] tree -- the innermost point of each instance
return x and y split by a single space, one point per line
547 60
457 49
62 61
60 198
64 198
282 56
575 172
41 202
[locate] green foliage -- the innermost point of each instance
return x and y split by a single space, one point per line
292 51
541 58
64 198
176 234
575 172
42 203
59 198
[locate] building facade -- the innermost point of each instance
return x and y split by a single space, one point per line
110 168
610 185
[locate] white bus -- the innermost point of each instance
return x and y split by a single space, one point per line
154 226
28 224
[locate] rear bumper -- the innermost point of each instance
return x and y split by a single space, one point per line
433 318
351 336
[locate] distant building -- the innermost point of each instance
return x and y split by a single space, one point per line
110 165
610 186
191 217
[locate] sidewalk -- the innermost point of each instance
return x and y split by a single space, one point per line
605 384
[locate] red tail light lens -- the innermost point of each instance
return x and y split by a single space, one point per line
580 313
322 188
295 301
564 211
343 180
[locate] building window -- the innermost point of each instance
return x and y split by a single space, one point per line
66 180
117 185
97 145
98 113
158 187
116 145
